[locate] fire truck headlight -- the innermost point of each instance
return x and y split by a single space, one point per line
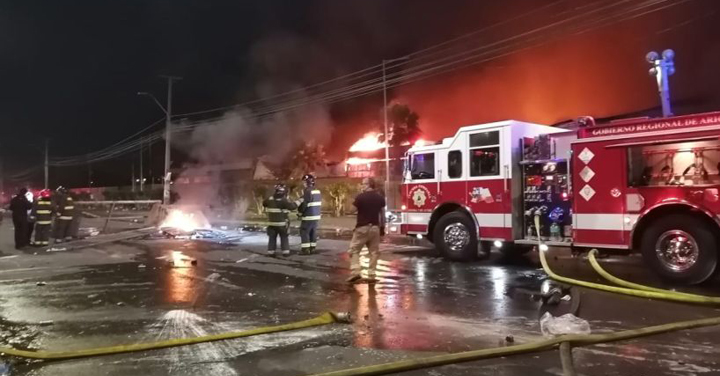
404 207
393 229
419 236
544 248
498 244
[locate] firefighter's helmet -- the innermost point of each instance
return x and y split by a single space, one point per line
280 190
61 189
309 180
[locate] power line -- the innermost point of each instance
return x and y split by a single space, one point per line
415 73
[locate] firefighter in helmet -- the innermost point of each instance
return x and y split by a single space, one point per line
309 211
42 211
278 207
64 212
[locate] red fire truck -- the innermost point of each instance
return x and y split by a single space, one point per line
642 184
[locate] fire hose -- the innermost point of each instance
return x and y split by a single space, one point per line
564 342
324 319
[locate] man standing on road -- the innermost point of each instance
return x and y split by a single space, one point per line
309 210
64 212
368 231
42 211
278 207
20 205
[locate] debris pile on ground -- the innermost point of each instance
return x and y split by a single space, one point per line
209 235
565 324
86 232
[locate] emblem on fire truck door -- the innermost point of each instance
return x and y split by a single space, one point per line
419 195
587 192
479 194
586 155
615 192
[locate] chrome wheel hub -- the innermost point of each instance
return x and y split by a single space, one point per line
677 250
456 236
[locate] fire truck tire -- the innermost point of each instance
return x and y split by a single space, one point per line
680 248
455 237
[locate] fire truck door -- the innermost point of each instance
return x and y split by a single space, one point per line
599 195
487 185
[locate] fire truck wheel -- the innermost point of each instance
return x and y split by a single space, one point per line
455 237
680 248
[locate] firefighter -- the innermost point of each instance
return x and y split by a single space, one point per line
64 212
31 218
74 230
309 211
278 207
42 211
20 206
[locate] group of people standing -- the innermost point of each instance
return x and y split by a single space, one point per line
368 231
39 215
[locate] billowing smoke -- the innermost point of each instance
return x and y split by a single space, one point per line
224 151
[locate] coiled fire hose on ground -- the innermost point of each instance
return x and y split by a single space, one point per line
630 288
692 298
564 343
324 319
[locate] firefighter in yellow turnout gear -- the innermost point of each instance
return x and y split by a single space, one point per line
65 210
42 211
278 207
309 210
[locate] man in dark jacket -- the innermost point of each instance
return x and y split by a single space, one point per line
278 207
20 205
368 231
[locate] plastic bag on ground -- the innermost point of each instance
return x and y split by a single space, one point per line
565 324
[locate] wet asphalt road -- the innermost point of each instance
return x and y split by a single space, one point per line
423 305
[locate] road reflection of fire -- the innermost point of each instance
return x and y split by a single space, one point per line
181 280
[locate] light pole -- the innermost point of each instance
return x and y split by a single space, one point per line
168 125
663 68
385 121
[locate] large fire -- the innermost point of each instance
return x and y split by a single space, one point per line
183 221
369 142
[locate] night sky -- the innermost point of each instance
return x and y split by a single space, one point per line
70 70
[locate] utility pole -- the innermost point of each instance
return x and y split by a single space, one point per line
132 177
168 135
2 181
47 164
387 133
663 68
142 182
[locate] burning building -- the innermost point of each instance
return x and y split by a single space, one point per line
366 157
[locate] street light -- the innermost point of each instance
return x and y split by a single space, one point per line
168 115
663 67
385 114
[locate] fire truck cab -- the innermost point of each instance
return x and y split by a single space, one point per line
647 185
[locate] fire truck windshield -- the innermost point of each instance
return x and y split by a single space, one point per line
422 166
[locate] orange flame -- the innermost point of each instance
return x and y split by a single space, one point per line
369 142
359 161
183 221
